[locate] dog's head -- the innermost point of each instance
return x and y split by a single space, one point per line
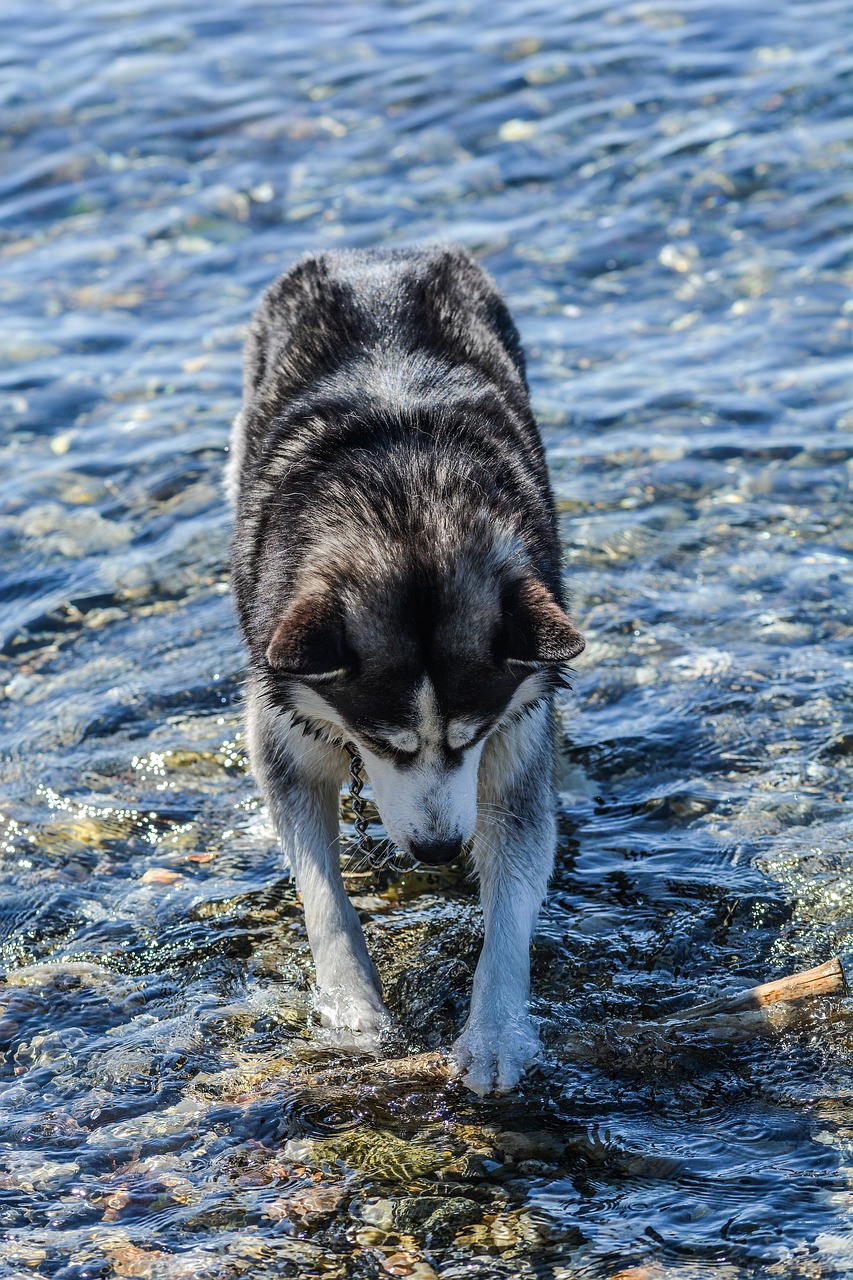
417 667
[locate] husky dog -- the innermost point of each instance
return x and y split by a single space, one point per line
397 577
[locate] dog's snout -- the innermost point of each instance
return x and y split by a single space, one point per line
436 852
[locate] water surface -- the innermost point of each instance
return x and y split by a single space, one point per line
663 192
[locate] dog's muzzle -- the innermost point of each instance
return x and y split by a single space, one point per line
436 853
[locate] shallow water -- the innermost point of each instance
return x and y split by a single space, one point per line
663 192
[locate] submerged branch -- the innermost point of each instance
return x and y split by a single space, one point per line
762 1010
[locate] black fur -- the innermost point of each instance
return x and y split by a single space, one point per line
387 434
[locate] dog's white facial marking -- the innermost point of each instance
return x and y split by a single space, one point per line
428 714
461 733
313 706
428 800
531 689
405 740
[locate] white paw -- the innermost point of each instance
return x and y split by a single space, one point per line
356 1021
492 1057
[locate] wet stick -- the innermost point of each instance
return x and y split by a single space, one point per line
764 1010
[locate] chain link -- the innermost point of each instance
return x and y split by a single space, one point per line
356 783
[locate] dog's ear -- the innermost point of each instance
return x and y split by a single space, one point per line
309 643
535 631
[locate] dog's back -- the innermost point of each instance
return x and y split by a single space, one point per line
368 374
365 311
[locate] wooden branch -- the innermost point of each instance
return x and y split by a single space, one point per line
761 1010
826 980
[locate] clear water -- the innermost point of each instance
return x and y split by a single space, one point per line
663 192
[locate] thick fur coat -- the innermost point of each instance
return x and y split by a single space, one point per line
397 577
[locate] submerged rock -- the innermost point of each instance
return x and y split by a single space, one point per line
371 1152
435 1219
310 1207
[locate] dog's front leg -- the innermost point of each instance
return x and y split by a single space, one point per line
513 854
300 780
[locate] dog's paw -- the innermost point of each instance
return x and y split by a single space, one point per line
492 1057
353 1021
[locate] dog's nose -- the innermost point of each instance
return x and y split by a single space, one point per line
435 852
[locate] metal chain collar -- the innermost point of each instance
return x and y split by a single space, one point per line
356 783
